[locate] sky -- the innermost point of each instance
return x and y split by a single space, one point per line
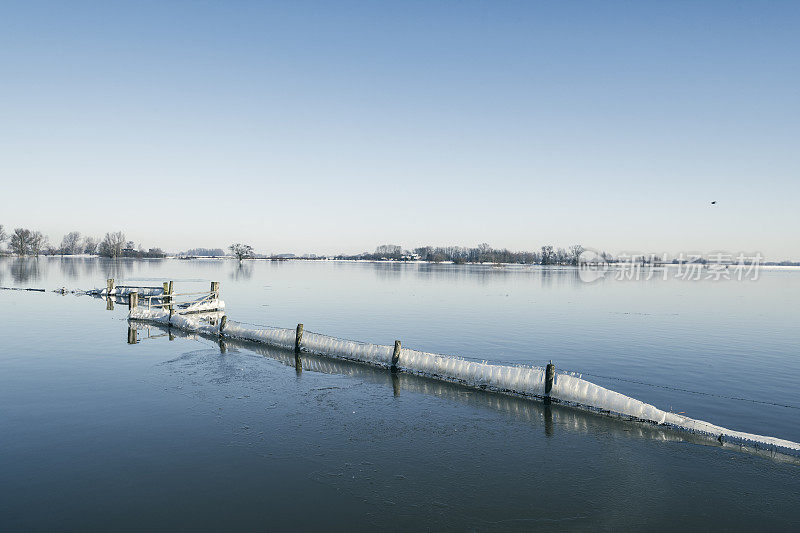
333 127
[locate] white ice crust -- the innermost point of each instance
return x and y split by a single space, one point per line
520 380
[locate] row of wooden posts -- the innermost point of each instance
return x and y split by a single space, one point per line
550 370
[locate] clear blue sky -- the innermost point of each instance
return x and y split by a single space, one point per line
337 126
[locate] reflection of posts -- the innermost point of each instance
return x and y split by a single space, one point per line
132 335
548 420
222 346
395 384
109 304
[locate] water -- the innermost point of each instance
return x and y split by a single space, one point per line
98 433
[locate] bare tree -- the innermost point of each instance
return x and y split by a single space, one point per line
548 255
27 242
241 251
20 241
484 252
112 244
575 252
389 251
90 245
3 235
39 242
71 243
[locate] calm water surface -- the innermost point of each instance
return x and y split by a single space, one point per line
96 433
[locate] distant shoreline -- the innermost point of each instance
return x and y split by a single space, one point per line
771 264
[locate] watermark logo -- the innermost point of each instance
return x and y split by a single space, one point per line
715 266
593 265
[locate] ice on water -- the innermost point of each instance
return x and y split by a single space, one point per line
522 380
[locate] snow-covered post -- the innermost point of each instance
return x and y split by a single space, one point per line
215 290
298 338
109 286
395 357
549 375
133 300
222 323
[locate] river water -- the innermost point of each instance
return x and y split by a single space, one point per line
95 432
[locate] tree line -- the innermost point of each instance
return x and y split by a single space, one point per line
483 253
24 241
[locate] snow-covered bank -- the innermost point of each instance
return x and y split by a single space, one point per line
524 381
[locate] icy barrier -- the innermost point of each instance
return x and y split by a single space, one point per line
526 381
125 291
210 309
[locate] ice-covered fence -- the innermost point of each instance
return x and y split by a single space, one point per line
527 381
364 352
283 338
523 380
125 290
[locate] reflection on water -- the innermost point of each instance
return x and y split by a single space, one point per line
550 418
69 267
25 269
242 271
698 336
480 274
98 269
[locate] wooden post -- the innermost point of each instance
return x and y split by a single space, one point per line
298 338
395 357
133 301
549 375
215 290
222 324
170 297
109 286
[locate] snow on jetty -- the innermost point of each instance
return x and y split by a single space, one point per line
525 381
126 290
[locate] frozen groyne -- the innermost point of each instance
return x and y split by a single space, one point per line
518 380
